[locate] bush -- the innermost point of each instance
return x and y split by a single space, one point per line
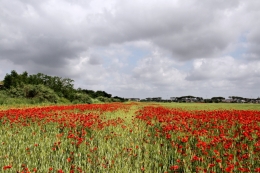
81 98
116 100
16 92
104 99
3 97
38 93
43 94
15 101
63 100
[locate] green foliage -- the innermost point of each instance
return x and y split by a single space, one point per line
81 98
16 92
115 100
91 93
104 99
96 94
38 88
3 97
63 100
207 100
103 94
42 93
63 87
39 93
118 99
217 99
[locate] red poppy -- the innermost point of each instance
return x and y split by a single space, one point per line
7 167
174 167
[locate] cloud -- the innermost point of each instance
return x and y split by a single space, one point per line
61 29
94 60
226 73
226 68
181 28
158 70
34 34
135 46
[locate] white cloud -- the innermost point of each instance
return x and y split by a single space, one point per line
158 70
226 75
227 68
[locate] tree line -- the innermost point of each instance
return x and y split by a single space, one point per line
37 88
188 99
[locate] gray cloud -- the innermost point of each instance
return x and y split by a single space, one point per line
95 42
32 35
189 30
94 60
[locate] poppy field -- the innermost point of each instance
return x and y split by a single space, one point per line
128 137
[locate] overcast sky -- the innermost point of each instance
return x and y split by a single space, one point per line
137 48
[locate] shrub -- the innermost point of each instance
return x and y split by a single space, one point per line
81 98
104 99
38 93
63 100
16 92
3 97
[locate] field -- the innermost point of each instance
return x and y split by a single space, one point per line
130 137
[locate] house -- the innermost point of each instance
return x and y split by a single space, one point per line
172 98
133 99
227 100
156 98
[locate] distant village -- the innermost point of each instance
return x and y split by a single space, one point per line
192 99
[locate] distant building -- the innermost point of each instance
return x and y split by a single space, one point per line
156 98
133 99
148 99
172 98
227 100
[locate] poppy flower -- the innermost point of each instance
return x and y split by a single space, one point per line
7 167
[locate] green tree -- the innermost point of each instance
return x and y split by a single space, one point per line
103 94
217 99
11 80
32 87
91 93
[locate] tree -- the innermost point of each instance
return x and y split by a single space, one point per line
199 99
32 86
217 99
91 93
103 94
118 99
63 87
11 80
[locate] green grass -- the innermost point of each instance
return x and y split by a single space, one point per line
212 106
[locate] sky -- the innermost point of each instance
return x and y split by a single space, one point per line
137 48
